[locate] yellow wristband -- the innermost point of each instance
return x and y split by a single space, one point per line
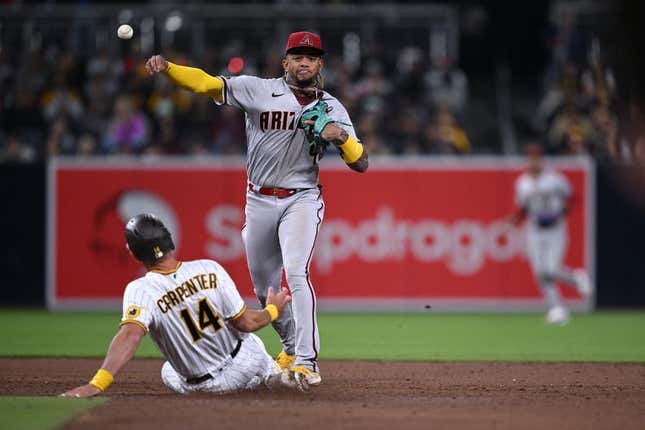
351 150
102 379
273 311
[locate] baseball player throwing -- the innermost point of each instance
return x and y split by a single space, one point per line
289 123
195 317
542 195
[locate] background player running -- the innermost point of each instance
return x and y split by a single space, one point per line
289 121
195 317
542 195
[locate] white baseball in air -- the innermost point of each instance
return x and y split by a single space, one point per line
125 32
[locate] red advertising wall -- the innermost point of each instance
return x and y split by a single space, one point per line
397 235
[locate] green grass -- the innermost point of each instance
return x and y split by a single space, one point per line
36 413
601 336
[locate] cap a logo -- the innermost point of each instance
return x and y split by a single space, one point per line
133 312
306 40
157 251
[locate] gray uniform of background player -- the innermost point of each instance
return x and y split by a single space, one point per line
281 232
545 195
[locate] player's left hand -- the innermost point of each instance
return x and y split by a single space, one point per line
281 299
330 133
86 390
318 127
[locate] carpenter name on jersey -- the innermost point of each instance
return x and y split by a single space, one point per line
191 286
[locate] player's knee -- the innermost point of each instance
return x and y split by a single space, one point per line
260 276
170 378
167 371
296 278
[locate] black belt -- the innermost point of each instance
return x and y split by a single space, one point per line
206 377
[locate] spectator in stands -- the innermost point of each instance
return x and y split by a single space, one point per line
16 151
127 131
444 135
67 71
404 129
598 84
337 75
368 128
98 96
571 133
374 83
409 74
605 125
566 42
62 100
87 145
167 137
228 133
168 101
109 67
447 85
60 139
564 90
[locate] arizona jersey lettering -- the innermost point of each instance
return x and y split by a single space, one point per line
278 152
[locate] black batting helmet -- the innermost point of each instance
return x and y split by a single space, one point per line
147 237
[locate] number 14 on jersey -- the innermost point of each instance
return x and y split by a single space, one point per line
206 317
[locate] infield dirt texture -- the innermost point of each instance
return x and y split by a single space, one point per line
380 371
361 394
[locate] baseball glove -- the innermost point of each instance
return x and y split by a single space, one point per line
318 114
547 219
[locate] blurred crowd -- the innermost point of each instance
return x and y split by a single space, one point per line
53 102
581 110
57 101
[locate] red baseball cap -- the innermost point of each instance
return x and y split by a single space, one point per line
304 41
534 150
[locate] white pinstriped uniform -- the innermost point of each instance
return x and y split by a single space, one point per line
186 312
280 233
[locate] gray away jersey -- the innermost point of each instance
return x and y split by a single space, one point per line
185 311
544 194
278 151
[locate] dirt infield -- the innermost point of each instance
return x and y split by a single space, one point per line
374 395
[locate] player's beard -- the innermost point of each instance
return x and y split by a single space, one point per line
292 78
307 86
304 83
